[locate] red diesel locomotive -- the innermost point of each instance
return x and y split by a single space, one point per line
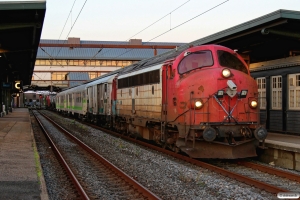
202 101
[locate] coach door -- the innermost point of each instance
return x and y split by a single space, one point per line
165 71
90 99
114 96
73 100
100 98
95 98
132 94
68 102
105 92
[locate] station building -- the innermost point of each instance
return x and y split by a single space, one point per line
66 63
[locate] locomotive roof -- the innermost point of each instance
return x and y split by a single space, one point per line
101 80
155 60
151 61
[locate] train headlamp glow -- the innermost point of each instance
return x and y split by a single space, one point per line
198 104
243 93
253 104
226 73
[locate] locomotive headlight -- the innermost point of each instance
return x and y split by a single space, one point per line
253 104
198 104
226 73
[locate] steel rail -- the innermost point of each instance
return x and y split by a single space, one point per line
250 181
147 193
64 163
270 170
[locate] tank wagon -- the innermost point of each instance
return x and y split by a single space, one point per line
200 100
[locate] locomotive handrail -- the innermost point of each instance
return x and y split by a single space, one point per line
229 116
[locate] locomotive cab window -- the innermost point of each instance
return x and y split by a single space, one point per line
195 60
227 59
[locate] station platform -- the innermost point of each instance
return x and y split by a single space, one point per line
283 141
19 160
282 150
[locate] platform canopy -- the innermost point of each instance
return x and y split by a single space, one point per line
272 36
21 25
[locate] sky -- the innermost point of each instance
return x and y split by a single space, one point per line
167 20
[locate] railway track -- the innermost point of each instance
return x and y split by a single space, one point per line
268 178
93 176
259 183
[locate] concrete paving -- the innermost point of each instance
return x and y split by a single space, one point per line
18 168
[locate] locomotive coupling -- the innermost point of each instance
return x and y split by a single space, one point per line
260 133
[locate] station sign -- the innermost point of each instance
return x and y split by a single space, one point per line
6 85
18 85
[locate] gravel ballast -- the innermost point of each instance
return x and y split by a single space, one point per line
165 176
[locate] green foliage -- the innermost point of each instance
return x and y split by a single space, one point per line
137 152
37 162
184 177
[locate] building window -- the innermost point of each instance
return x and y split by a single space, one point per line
119 63
276 92
261 83
294 91
93 75
58 75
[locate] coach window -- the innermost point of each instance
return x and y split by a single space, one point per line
294 91
276 92
261 83
195 60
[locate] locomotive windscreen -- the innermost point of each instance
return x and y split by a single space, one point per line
226 59
195 60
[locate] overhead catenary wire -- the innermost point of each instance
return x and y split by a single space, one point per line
188 20
160 19
65 22
148 27
50 56
178 25
72 26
